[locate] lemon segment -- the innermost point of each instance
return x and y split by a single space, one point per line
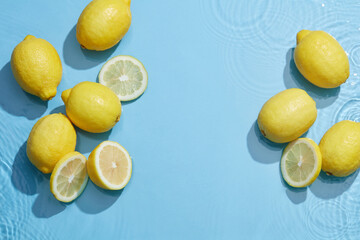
69 177
124 75
301 162
109 166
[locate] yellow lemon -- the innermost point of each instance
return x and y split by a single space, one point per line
50 139
109 166
340 148
69 178
37 67
321 59
92 106
301 162
103 23
287 115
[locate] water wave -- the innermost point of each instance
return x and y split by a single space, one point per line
349 111
327 220
233 21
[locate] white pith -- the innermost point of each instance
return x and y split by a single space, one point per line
77 193
284 170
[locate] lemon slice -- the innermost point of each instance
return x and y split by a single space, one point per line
69 177
125 75
109 166
301 162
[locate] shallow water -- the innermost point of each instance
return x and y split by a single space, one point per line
201 168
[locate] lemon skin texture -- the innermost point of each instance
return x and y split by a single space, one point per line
287 115
36 66
50 139
340 149
321 59
103 23
92 107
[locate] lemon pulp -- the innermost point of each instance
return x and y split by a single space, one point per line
301 162
69 177
125 75
110 166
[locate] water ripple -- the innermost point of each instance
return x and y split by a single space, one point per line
5 172
355 54
327 220
283 20
233 21
11 229
351 201
242 67
7 228
349 111
16 207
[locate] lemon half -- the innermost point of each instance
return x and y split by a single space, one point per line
301 162
69 177
126 76
109 166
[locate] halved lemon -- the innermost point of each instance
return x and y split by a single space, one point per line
109 166
301 162
69 177
125 75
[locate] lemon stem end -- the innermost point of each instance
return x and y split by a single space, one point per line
300 36
127 2
29 37
65 95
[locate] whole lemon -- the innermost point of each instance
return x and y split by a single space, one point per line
50 139
287 115
321 59
103 23
37 67
340 149
92 106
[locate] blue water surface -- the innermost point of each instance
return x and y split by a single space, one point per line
201 169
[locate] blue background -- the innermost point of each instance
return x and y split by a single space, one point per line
201 169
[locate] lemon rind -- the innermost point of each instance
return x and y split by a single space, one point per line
103 180
55 175
134 60
317 166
